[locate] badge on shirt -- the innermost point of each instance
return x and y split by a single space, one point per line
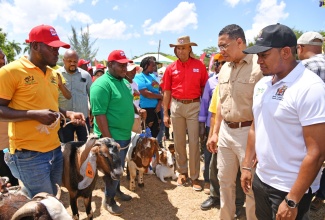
155 84
280 92
175 72
29 80
136 94
195 70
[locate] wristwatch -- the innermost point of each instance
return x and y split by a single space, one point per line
290 203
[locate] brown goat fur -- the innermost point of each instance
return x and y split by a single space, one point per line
139 156
107 161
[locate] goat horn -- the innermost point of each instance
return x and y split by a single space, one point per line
26 210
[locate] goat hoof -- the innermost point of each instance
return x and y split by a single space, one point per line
75 217
141 185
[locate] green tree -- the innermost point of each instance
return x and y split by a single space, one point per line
82 44
26 48
208 53
10 48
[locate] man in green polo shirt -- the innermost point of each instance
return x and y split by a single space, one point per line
111 102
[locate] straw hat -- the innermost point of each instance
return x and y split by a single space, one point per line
181 41
184 40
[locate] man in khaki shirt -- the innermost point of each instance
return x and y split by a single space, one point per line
237 79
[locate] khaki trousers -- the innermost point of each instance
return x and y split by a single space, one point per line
185 116
231 152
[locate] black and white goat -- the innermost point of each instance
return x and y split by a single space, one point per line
15 205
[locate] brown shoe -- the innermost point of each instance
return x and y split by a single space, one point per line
196 185
316 204
181 179
206 188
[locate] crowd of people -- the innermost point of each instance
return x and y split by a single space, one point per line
259 117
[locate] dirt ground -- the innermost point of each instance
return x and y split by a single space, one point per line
157 200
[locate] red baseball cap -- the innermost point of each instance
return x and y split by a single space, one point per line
100 66
47 35
82 62
118 56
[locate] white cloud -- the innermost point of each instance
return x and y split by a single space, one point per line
177 20
77 16
115 8
233 3
22 15
153 43
94 2
268 12
110 29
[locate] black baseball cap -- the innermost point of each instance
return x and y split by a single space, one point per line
273 36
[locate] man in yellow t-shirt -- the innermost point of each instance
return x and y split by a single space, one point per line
4 140
29 101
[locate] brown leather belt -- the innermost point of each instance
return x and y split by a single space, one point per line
187 101
238 124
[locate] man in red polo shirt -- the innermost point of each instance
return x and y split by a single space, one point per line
183 84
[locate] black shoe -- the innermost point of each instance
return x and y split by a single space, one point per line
110 205
210 202
238 212
122 196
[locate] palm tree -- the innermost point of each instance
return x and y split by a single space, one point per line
15 46
26 47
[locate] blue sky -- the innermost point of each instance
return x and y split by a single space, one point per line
136 26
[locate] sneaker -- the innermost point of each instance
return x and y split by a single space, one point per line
196 185
122 196
316 204
181 179
206 188
109 204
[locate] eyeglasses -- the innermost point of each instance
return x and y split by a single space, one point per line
224 47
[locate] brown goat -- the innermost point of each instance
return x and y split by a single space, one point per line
139 156
75 154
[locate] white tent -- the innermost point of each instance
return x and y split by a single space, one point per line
160 58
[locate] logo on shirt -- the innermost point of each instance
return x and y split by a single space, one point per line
280 92
195 70
155 84
53 80
136 95
29 80
175 72
259 91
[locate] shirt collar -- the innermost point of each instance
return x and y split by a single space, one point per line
294 74
248 58
26 63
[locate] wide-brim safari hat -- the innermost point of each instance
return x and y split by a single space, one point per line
184 40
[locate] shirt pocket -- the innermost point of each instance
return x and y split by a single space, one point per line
224 89
245 87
